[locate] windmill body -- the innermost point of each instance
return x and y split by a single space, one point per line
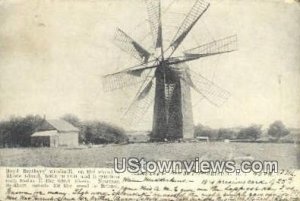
168 88
172 116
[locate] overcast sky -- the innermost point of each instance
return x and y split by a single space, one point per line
53 54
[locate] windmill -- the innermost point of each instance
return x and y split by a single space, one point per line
166 80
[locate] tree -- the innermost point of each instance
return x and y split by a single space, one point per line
226 134
17 130
205 131
5 135
277 130
252 132
72 119
101 133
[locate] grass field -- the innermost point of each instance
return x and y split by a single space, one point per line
287 155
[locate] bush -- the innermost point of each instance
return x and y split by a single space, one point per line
72 119
96 132
17 131
225 133
277 130
101 133
204 131
252 132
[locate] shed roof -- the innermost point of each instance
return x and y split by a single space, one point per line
45 133
62 125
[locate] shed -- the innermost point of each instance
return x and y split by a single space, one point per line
54 133
138 136
45 139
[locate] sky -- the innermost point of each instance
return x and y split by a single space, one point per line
55 52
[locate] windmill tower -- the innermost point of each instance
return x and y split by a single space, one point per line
165 79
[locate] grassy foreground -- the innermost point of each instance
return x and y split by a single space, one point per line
287 155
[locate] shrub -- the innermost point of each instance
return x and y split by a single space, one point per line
277 130
100 132
225 133
252 132
17 131
204 131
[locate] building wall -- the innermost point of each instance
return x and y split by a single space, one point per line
68 139
54 141
187 110
44 141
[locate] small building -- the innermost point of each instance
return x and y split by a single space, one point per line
138 136
45 139
203 138
54 133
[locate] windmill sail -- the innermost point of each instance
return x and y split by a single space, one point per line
121 80
154 19
207 89
224 45
140 105
188 23
127 44
128 77
145 91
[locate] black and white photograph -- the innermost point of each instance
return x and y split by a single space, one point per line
110 83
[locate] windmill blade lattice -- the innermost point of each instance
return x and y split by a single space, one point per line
127 44
124 79
206 88
188 23
140 105
154 19
224 45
